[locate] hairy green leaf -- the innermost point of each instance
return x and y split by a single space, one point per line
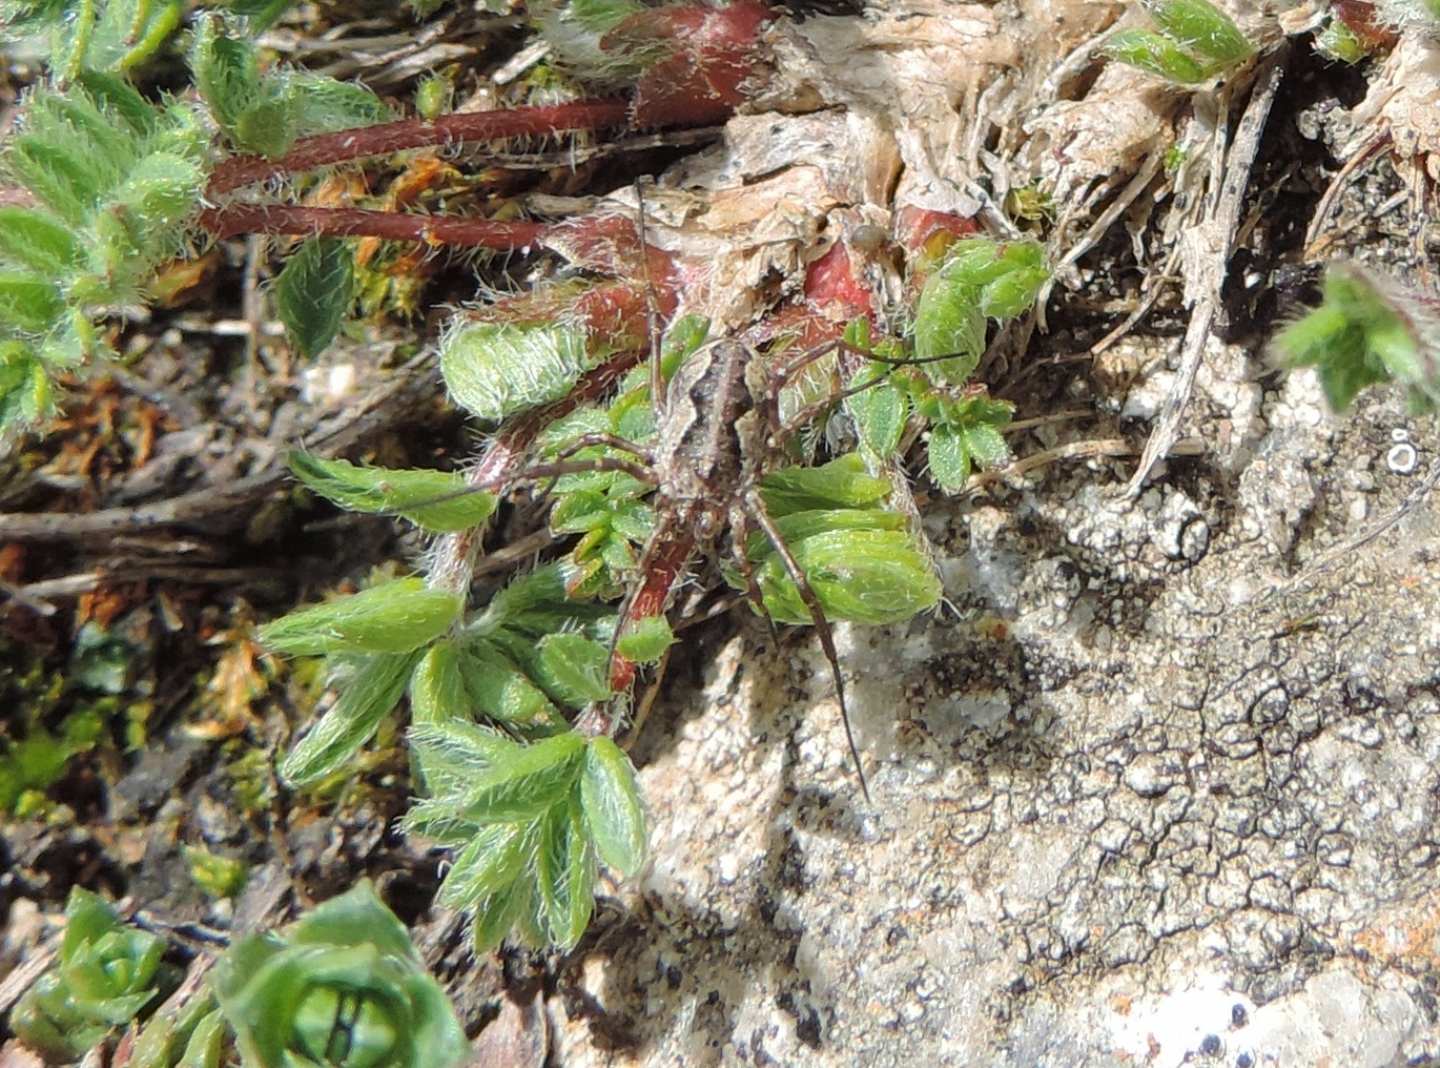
438 501
863 576
28 302
1368 330
564 876
25 392
37 242
879 413
645 640
498 687
1201 27
841 483
314 292
611 803
393 617
454 751
496 915
529 782
949 458
488 864
574 668
437 691
1157 55
494 370
365 700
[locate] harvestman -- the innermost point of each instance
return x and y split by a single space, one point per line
711 451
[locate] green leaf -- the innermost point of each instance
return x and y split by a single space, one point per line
797 526
438 501
879 413
873 577
842 483
36 242
225 71
28 303
949 322
343 986
645 640
529 782
1368 330
324 105
25 393
118 99
986 445
949 458
204 1047
574 668
682 340
1157 55
564 876
106 972
488 864
259 14
56 178
313 293
365 700
437 691
189 1038
451 753
494 370
393 617
498 688
1200 27
613 811
495 916
1013 293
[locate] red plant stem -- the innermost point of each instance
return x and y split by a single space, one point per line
352 222
346 145
455 554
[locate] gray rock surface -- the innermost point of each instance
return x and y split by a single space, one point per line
1139 796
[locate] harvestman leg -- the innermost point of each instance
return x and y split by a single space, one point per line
739 539
652 312
614 441
756 508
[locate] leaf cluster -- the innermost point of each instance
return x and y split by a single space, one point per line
265 112
976 281
1196 42
342 986
1367 331
530 823
858 557
109 36
114 180
106 973
533 652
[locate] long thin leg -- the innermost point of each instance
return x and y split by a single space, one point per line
614 441
652 312
756 508
779 431
550 470
739 539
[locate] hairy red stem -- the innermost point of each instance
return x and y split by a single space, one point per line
345 145
358 222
